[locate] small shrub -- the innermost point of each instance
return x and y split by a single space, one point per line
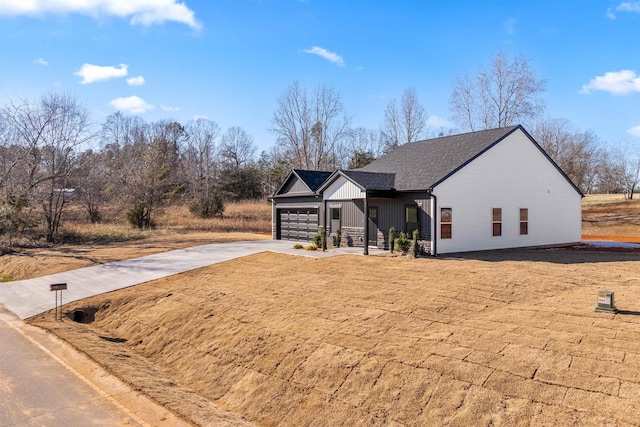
207 207
139 217
311 248
403 243
415 245
94 216
392 238
338 237
317 239
4 277
298 246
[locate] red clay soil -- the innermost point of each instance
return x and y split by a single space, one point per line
598 237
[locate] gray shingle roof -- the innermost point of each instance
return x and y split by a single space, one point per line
313 179
422 165
377 181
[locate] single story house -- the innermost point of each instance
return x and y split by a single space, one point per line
491 189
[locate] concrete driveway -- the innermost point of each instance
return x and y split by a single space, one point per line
27 298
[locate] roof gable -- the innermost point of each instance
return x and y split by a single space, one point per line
422 165
302 182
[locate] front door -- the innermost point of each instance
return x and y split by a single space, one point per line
334 223
373 226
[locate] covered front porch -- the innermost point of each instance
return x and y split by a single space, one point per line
361 207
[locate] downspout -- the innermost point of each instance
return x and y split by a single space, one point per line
366 223
434 233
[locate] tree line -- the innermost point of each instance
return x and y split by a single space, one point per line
51 154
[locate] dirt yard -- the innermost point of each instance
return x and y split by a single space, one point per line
497 338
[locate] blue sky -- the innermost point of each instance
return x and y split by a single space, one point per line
229 60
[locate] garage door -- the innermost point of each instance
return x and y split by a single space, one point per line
298 224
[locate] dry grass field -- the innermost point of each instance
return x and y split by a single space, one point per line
611 217
491 338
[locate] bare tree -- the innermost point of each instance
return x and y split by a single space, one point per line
157 176
414 116
90 181
620 169
237 148
503 94
311 126
200 157
123 140
576 152
391 126
49 131
365 145
404 124
274 165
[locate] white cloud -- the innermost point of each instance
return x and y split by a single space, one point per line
437 122
510 26
96 73
135 81
143 12
200 117
621 82
627 6
40 61
132 104
169 108
324 53
635 131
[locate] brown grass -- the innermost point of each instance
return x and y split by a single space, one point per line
610 217
246 216
505 338
253 216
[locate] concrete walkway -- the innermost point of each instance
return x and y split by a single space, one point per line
27 298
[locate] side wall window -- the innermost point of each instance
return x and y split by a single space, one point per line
411 219
497 222
524 221
446 220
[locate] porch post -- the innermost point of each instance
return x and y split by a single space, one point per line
366 223
324 218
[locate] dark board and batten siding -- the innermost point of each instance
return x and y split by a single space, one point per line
295 186
391 213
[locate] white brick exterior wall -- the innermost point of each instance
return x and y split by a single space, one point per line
511 175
